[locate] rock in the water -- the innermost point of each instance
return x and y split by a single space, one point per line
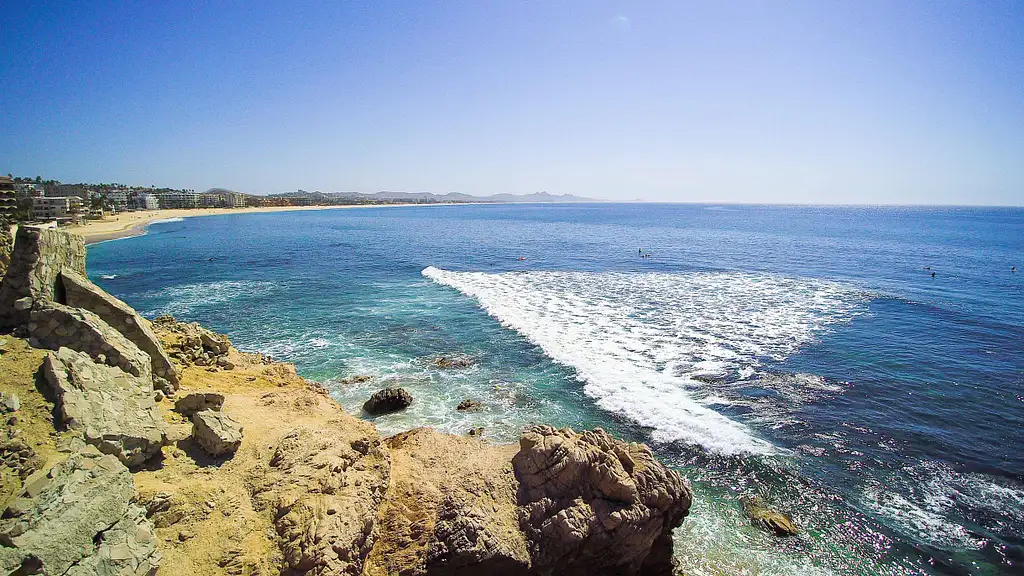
113 410
452 362
468 404
478 431
388 400
79 520
768 519
592 504
198 401
216 432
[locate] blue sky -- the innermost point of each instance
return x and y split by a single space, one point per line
821 101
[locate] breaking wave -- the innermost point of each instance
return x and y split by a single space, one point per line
643 343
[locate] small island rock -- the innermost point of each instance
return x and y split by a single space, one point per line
388 400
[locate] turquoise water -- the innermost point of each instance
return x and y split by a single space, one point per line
802 353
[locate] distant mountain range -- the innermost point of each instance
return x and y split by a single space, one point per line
429 197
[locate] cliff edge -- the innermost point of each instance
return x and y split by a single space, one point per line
138 447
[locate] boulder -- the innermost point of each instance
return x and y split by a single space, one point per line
592 504
82 293
216 432
78 519
197 402
468 404
9 402
763 516
115 411
388 400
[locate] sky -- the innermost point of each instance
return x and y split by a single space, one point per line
861 102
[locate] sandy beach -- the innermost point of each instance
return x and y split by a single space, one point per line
128 224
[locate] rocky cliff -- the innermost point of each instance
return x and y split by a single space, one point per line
137 446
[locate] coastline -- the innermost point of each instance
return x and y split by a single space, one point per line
129 224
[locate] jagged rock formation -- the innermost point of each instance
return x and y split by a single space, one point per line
216 432
113 410
78 520
388 400
594 504
189 343
46 295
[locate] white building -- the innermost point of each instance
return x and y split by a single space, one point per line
178 199
147 202
56 207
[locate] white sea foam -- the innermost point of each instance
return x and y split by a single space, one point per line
108 276
167 220
183 299
637 340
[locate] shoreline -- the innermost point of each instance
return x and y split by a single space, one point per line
131 224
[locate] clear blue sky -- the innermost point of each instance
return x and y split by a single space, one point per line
819 101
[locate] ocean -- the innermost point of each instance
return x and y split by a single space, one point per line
860 368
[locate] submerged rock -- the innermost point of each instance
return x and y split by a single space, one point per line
468 404
216 432
768 519
452 362
388 400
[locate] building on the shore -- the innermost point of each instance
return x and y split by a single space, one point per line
178 199
146 201
232 199
62 190
29 190
8 197
59 208
118 199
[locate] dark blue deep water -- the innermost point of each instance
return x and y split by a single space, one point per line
803 354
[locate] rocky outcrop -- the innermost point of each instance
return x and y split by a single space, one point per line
114 410
216 432
388 400
46 296
78 520
57 326
468 405
197 402
451 362
39 256
592 504
81 293
323 488
189 343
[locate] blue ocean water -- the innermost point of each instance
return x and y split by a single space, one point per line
804 354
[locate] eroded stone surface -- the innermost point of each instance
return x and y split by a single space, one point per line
39 256
56 326
82 293
113 410
323 488
198 401
78 519
216 432
590 503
